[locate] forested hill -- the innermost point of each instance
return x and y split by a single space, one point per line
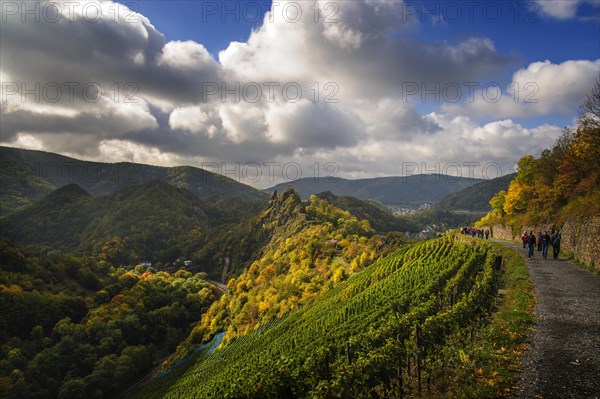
28 175
380 218
475 198
393 190
464 207
283 217
79 327
154 221
563 182
298 251
158 222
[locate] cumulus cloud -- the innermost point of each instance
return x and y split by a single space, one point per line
461 146
326 88
543 88
562 9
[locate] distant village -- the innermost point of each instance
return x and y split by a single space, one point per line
404 211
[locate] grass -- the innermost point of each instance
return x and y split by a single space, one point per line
485 363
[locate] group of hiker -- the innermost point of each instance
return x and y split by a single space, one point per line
475 232
531 242
542 242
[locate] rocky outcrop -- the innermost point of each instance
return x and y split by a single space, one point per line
581 237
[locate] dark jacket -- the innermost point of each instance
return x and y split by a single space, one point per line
546 238
556 239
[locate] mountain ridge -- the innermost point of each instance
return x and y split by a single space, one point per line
158 220
28 175
389 190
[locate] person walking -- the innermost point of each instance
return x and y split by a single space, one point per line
545 243
530 245
524 239
556 237
539 241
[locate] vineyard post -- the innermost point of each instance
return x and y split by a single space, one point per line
408 366
400 377
439 293
348 352
498 263
418 344
454 294
429 381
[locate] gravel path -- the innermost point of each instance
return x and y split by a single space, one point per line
564 360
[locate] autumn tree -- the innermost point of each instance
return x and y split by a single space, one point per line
589 111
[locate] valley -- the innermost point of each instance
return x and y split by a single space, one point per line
156 290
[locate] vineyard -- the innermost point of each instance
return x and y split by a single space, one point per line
384 332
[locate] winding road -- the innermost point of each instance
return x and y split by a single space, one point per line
564 357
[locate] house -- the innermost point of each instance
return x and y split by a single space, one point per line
146 263
187 262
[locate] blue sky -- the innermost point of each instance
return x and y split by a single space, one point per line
522 28
518 28
206 22
188 66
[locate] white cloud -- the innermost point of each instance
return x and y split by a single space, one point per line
27 141
361 62
195 119
243 122
186 55
119 151
560 9
542 88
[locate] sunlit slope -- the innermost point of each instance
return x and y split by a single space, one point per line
357 338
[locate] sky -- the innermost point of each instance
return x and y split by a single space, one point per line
266 92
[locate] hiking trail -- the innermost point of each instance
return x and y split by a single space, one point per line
564 357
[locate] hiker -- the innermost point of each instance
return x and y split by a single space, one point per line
555 239
539 241
530 245
487 234
545 243
524 239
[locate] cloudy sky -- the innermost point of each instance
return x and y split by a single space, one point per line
346 88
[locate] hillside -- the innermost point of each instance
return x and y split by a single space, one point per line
358 339
562 183
231 250
301 251
154 221
464 207
28 175
245 242
379 217
158 222
74 327
475 198
410 191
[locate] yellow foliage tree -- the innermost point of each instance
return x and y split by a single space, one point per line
517 198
